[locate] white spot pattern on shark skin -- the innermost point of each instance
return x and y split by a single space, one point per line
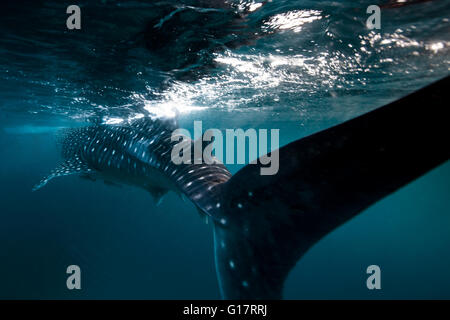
68 167
239 205
197 196
250 194
231 264
218 205
245 284
157 156
164 153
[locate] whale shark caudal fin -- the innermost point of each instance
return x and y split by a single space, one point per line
324 180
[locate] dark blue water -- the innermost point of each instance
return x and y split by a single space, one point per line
298 66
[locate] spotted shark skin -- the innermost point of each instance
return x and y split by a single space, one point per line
264 224
137 154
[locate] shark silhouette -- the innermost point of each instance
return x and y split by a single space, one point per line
264 224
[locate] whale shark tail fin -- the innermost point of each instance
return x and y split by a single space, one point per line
324 180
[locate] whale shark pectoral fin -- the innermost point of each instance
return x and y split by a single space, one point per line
66 168
323 181
157 194
112 183
89 177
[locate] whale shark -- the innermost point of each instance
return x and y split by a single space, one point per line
137 153
264 224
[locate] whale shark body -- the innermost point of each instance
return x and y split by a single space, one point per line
138 154
264 224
